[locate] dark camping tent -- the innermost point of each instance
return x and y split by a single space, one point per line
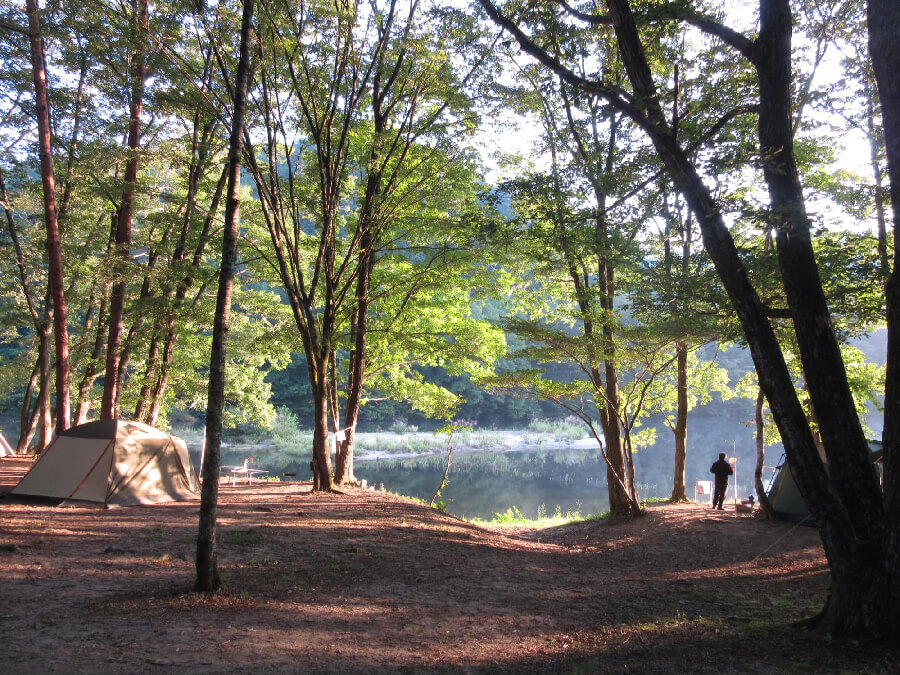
784 495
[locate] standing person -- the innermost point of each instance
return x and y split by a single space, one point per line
722 469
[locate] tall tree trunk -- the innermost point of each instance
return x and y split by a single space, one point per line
208 578
171 297
41 322
142 408
856 561
162 380
861 538
876 147
35 417
54 248
765 506
884 27
679 493
823 366
616 465
27 420
852 554
98 304
43 410
91 369
317 291
136 329
368 224
606 386
124 359
848 511
323 478
343 461
185 284
619 470
356 371
73 141
108 408
42 418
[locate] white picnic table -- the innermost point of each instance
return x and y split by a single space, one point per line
243 472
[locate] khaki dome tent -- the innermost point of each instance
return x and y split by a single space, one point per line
113 462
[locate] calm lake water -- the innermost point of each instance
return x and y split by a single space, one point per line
521 470
484 483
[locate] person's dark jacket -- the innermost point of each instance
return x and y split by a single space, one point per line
722 469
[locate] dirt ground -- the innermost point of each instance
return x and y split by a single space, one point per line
369 582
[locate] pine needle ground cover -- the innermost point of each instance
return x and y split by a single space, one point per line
367 581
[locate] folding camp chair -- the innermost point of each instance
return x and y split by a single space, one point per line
703 488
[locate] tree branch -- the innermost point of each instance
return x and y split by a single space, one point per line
15 28
593 19
679 12
729 36
616 97
777 312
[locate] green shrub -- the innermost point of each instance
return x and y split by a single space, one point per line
513 516
570 429
401 427
287 436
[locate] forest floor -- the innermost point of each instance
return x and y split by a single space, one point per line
366 581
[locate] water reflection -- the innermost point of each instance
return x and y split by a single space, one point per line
485 483
513 470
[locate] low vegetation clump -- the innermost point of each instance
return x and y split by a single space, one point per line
513 517
569 429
